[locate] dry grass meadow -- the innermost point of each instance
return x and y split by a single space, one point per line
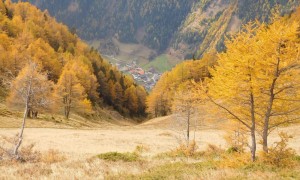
55 148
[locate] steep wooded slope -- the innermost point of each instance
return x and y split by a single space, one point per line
176 27
28 34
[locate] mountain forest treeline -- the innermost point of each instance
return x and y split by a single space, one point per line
78 76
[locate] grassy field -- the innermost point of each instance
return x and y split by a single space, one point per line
161 63
126 160
128 52
140 53
109 147
102 117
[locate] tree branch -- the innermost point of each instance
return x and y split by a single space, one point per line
284 122
284 113
231 113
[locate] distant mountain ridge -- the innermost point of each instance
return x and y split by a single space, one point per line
175 27
210 21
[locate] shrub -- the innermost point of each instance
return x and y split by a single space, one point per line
52 156
141 149
279 154
234 160
115 156
232 150
214 150
26 153
184 150
236 138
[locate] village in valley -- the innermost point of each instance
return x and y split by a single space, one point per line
147 78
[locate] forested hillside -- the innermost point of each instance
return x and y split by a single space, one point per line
31 41
211 21
161 99
175 27
254 84
150 22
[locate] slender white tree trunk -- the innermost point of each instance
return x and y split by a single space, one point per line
21 133
24 119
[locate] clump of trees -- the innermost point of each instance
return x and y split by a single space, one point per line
161 98
255 81
70 92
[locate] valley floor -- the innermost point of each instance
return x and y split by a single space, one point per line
80 146
156 134
93 142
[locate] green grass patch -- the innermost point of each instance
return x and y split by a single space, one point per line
116 156
181 156
252 167
297 158
211 169
161 64
178 170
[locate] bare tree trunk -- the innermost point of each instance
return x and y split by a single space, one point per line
267 117
34 114
24 118
188 129
270 105
253 126
253 146
15 67
29 113
195 129
67 107
68 114
265 136
21 131
67 111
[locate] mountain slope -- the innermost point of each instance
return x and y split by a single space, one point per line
175 27
149 22
28 34
211 21
161 98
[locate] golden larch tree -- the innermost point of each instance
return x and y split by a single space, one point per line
70 94
185 109
232 87
278 76
256 81
31 90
